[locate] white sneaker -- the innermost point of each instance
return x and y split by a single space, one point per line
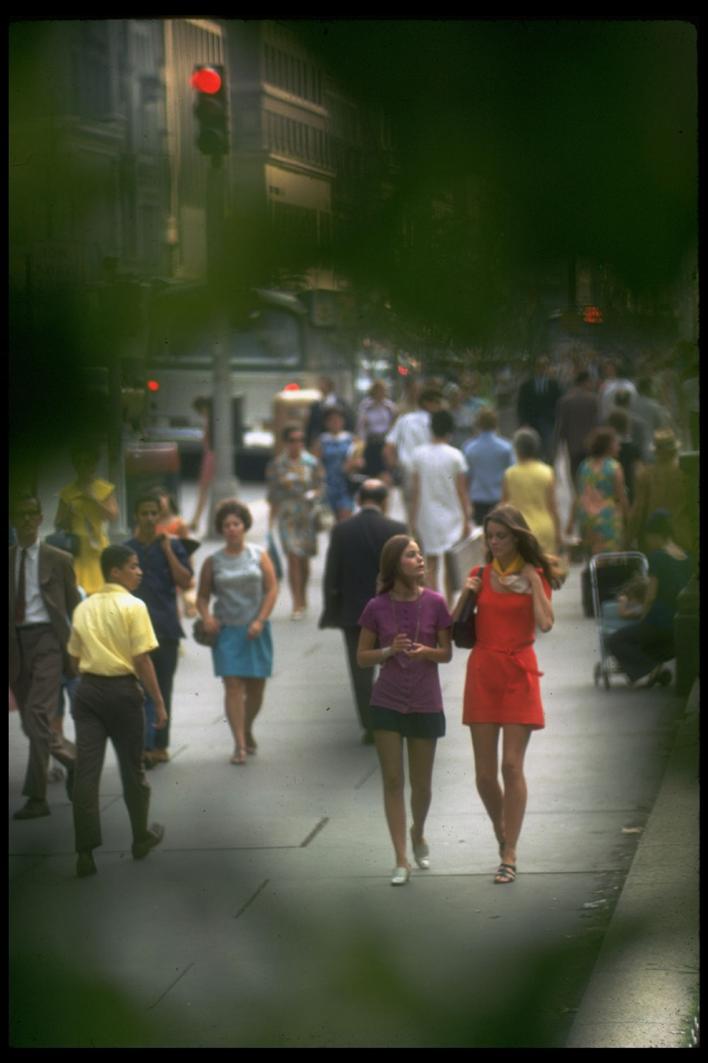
400 876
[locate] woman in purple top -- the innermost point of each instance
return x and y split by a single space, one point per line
406 630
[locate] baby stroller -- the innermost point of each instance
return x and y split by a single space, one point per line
608 573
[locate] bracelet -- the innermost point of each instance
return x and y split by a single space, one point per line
387 652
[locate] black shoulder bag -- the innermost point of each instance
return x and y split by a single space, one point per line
464 633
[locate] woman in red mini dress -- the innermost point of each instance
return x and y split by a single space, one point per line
502 691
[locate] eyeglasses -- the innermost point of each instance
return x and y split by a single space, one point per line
296 439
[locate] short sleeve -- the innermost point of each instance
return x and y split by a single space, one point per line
142 635
369 617
443 618
102 489
178 549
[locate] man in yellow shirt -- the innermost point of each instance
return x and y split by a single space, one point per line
111 639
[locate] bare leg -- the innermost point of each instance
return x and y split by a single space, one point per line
235 704
255 688
421 754
514 743
305 569
201 503
295 580
389 746
485 740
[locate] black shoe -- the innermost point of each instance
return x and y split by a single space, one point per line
33 810
70 782
153 838
85 865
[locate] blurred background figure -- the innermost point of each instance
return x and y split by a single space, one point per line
662 485
440 507
536 406
649 410
376 416
614 379
241 579
472 401
530 486
165 565
316 421
577 415
629 455
333 448
411 430
295 482
203 407
600 507
637 429
351 568
488 456
86 506
643 647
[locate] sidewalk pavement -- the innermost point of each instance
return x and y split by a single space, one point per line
266 918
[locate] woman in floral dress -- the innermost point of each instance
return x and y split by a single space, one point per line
601 506
295 481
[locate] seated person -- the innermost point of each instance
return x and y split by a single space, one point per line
627 606
641 647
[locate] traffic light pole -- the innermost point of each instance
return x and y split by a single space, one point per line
225 484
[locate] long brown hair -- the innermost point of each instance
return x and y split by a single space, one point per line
390 562
526 542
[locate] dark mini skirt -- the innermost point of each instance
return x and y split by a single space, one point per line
408 724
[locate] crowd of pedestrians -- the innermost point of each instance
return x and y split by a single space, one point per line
441 447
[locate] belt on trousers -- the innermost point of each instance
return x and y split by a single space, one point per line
108 678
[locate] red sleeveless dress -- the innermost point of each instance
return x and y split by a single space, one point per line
502 671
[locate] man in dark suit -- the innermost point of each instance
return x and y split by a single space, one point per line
351 568
577 414
536 405
42 597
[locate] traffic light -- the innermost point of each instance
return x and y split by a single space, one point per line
211 109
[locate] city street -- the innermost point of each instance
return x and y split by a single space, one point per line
266 917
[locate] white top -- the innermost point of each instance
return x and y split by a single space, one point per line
440 521
411 430
35 609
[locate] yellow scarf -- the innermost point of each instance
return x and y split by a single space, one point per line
514 566
510 577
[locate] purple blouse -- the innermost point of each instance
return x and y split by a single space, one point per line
405 685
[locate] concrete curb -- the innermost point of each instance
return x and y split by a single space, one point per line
644 989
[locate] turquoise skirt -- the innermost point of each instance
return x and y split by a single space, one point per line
237 655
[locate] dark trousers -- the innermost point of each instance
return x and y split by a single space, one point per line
36 692
640 647
362 678
108 708
164 659
481 509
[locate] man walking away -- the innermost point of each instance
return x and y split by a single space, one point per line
111 640
351 568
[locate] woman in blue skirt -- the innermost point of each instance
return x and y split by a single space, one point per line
242 581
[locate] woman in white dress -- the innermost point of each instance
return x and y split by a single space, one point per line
440 507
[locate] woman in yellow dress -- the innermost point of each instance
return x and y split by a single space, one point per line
85 507
530 487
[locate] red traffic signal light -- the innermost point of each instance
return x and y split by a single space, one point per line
211 109
592 315
207 79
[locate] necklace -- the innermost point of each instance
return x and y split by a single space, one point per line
401 658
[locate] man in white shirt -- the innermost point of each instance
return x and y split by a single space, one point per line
42 596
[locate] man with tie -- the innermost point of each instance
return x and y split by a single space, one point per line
536 405
42 597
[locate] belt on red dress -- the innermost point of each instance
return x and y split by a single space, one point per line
513 654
